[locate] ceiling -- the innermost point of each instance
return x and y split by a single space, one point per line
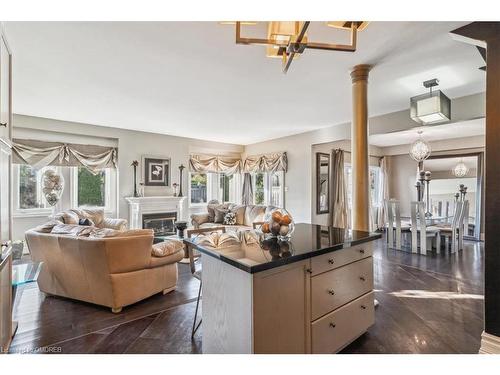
190 79
454 130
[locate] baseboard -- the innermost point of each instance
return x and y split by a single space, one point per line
490 344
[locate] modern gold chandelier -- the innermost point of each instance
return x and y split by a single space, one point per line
288 39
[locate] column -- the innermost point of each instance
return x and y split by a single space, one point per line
359 148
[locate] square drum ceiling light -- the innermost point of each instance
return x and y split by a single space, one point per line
431 108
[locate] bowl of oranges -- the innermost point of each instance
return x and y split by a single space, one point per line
278 223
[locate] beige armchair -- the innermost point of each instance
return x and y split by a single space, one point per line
111 271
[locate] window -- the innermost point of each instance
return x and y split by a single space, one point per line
258 188
268 188
277 189
375 187
205 187
91 188
30 195
81 188
228 188
198 188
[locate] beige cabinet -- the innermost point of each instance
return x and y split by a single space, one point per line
316 305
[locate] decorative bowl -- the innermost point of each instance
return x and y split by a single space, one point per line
278 223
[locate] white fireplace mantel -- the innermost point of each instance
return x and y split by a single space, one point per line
139 206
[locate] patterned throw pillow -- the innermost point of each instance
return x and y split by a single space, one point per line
220 213
166 248
230 218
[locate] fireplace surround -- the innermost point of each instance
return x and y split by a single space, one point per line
158 213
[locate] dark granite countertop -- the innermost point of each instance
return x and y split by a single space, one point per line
253 254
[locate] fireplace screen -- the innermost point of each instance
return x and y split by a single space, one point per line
162 224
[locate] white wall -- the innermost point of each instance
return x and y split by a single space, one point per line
131 146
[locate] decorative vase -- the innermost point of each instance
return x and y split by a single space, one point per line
52 187
278 223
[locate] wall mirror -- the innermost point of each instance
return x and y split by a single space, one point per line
322 183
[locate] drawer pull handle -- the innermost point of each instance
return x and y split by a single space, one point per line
308 270
4 124
331 292
363 307
361 251
362 278
333 325
331 261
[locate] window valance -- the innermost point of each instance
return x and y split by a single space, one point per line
40 154
272 162
214 164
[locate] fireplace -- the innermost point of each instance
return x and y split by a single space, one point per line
161 223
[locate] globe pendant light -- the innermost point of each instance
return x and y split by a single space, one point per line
420 149
460 169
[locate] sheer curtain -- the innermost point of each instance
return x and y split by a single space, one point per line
385 192
338 201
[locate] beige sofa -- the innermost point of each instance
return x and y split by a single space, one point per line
109 271
246 215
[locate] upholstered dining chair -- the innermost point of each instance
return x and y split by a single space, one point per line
192 233
420 229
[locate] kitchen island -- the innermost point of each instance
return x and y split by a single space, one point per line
312 294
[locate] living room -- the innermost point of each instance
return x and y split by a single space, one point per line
199 186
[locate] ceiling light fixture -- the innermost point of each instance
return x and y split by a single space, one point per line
431 108
460 169
288 40
420 149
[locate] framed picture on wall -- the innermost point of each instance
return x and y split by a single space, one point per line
156 170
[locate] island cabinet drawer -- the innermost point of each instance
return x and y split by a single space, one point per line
339 328
339 258
335 288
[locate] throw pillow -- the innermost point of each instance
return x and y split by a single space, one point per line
47 227
72 230
230 218
69 217
166 248
211 211
94 214
240 213
86 222
219 214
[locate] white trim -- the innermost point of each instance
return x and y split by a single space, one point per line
490 344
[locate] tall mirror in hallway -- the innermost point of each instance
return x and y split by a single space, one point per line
322 183
450 175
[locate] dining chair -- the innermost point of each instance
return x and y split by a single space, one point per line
395 228
420 229
192 265
455 230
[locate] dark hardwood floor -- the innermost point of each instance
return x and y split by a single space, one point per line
428 304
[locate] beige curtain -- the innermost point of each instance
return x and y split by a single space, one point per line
272 162
385 192
40 154
338 197
247 194
214 164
